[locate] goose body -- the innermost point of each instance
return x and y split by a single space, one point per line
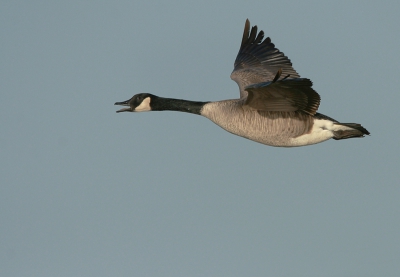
276 107
270 128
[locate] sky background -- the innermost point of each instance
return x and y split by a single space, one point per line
88 192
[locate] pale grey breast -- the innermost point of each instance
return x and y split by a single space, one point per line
271 128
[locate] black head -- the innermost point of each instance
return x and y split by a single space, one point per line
138 103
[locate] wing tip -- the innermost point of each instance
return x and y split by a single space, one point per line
251 36
246 31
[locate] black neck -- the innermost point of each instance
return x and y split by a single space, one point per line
170 104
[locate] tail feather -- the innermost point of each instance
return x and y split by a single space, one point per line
349 130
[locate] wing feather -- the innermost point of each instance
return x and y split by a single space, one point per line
286 95
258 60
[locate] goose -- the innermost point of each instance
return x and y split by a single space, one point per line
276 107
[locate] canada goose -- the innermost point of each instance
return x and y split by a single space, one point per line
276 107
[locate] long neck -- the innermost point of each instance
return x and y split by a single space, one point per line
170 104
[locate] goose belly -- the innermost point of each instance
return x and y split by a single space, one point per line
281 129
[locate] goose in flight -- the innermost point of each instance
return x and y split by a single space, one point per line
276 107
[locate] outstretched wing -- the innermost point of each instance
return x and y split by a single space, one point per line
286 95
258 60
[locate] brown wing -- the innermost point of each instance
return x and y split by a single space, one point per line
258 60
287 95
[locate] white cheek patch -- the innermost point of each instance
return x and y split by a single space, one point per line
144 106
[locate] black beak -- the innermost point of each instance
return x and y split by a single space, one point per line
125 103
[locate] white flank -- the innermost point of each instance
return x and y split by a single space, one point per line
321 131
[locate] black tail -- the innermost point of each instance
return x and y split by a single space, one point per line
349 130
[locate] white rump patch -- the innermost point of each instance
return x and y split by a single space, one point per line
321 131
144 106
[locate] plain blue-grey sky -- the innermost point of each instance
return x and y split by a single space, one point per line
88 192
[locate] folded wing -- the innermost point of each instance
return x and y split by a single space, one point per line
285 95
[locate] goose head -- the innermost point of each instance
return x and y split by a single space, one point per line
138 103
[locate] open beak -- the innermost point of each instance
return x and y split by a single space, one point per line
125 103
